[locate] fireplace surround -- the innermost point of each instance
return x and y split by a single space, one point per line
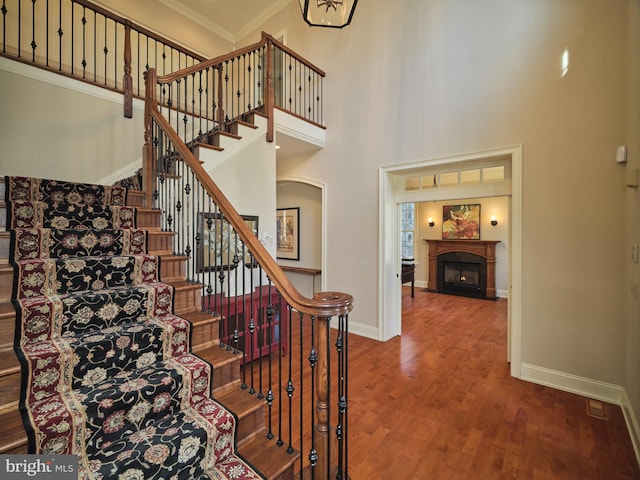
463 267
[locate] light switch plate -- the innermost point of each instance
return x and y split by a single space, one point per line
621 154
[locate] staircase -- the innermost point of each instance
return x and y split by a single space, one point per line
270 460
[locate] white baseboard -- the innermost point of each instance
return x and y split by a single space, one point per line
359 329
632 424
587 387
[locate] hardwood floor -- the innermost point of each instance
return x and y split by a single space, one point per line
439 403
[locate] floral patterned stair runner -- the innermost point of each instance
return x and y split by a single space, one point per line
107 372
32 243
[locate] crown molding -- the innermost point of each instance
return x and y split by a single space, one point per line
197 17
253 23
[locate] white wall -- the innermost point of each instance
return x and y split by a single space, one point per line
632 228
422 80
49 129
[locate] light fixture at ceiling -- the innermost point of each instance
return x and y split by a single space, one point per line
328 13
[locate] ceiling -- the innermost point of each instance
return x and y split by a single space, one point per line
231 19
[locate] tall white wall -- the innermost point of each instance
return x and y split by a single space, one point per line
409 81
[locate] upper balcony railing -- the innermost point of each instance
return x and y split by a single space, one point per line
85 41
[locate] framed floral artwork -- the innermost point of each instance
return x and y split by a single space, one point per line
461 222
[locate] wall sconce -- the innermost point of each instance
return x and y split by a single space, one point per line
431 222
494 222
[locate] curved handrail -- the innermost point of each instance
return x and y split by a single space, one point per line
323 304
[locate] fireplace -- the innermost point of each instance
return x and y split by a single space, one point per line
463 267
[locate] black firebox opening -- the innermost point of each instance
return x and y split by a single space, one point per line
461 273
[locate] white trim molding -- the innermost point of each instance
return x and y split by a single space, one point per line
589 388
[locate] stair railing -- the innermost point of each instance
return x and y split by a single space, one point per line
284 338
203 100
86 42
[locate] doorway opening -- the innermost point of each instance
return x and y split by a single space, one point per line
413 183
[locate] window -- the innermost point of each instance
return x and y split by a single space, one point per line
407 229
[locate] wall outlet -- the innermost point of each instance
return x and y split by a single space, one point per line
634 253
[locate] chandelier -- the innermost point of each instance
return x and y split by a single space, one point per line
328 13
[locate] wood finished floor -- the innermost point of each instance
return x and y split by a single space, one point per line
438 403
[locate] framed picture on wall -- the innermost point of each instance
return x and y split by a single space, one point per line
220 243
461 222
288 233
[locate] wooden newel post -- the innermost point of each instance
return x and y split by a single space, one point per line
148 159
323 424
269 93
127 79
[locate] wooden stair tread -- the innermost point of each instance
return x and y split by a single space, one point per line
270 459
238 400
9 363
184 285
210 147
199 317
218 356
246 124
229 134
7 310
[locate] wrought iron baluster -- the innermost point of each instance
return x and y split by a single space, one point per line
313 359
180 221
34 45
280 441
260 334
309 94
268 344
73 37
60 33
343 383
226 93
249 332
115 55
46 35
105 49
200 91
189 230
301 380
290 86
324 397
238 298
4 26
290 387
95 43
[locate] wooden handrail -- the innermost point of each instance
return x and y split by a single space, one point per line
301 59
139 28
322 305
236 53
